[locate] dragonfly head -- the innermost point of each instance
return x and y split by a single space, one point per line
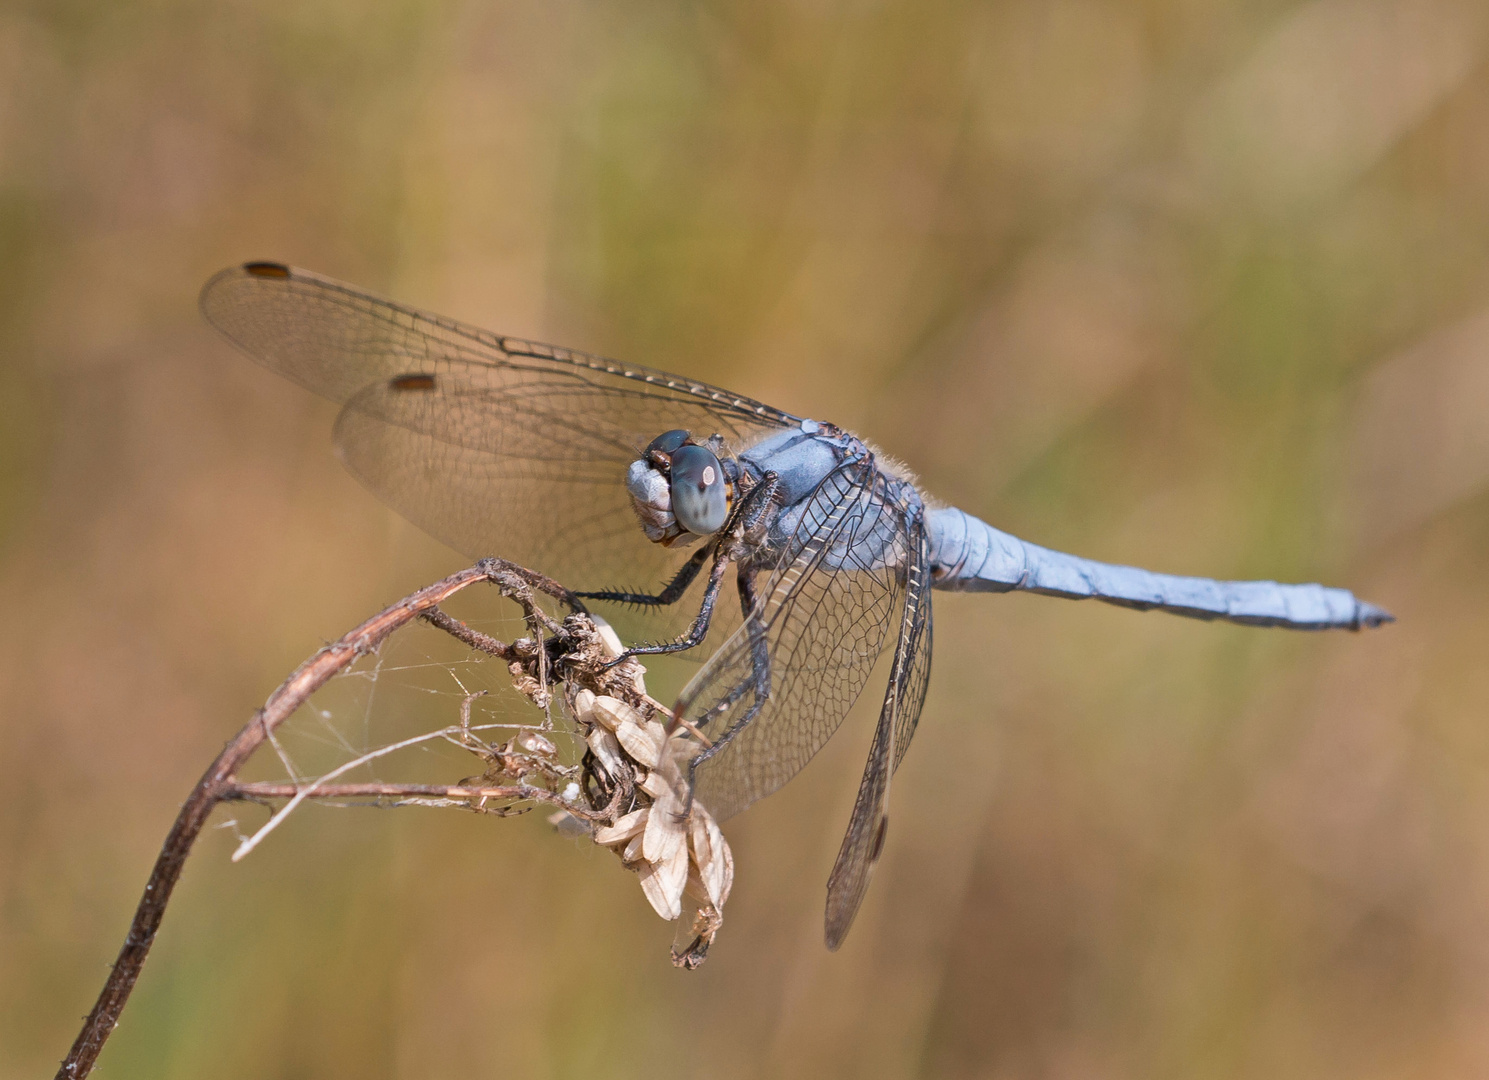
679 489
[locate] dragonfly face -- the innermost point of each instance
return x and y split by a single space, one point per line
680 489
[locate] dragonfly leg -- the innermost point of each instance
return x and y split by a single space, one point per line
698 631
758 681
745 578
759 649
669 595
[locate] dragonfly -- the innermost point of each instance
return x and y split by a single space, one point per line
600 473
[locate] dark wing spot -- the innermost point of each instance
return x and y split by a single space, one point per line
411 382
879 839
267 269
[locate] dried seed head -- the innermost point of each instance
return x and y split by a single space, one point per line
673 853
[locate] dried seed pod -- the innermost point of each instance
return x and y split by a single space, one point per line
709 848
611 645
632 852
628 826
584 706
666 831
722 881
663 883
606 750
537 744
728 882
675 874
611 712
643 742
608 637
655 785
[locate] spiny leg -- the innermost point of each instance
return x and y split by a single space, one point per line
671 594
759 650
698 631
758 681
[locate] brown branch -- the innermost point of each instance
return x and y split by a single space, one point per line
217 782
272 790
474 638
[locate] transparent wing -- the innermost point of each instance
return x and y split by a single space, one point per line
495 445
774 693
335 339
534 474
903 698
918 638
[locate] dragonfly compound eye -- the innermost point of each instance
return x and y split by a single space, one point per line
700 494
667 443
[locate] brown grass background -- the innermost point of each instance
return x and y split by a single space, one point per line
1195 285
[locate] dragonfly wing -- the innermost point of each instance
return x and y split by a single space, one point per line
494 445
530 472
335 339
773 694
903 699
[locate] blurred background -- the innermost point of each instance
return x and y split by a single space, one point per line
1197 286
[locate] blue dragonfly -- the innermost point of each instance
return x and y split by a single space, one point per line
593 472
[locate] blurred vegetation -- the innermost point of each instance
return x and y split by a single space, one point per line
1198 286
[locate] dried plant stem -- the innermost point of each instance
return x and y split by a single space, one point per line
525 792
300 793
270 790
218 783
474 638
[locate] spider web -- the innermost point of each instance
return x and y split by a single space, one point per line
420 709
